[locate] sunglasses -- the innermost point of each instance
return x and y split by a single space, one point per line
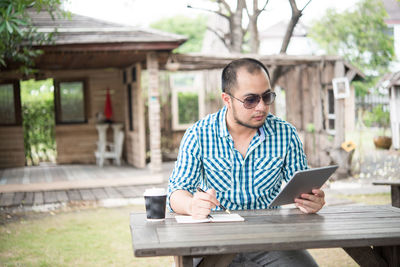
252 101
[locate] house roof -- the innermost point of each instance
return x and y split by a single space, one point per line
279 29
82 42
197 61
389 80
393 9
83 30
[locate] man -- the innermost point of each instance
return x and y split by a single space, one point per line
241 155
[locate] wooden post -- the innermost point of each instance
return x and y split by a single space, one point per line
154 113
294 99
341 157
395 193
135 129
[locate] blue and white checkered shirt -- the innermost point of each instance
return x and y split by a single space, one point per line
207 158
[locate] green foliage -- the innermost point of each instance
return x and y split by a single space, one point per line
359 35
378 117
38 120
310 128
17 35
193 29
188 106
364 87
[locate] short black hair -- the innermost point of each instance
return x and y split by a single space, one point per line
229 72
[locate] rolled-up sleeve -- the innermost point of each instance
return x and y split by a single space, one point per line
188 166
295 159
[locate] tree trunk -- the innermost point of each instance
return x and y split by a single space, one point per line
296 14
235 25
254 38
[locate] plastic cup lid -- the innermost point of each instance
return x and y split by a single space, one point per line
155 192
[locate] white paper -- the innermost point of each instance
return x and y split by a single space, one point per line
215 218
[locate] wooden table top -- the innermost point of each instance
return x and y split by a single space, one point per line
348 226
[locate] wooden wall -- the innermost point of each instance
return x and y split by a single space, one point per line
306 88
135 140
170 139
76 143
11 147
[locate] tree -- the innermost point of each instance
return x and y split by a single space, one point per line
360 36
194 29
17 34
276 71
252 27
234 39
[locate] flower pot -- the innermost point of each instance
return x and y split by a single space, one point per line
383 142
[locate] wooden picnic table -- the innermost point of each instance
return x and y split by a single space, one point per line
394 191
369 234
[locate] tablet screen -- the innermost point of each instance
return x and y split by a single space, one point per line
303 182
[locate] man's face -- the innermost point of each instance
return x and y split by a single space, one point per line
249 84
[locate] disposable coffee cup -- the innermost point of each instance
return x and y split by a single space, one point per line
155 200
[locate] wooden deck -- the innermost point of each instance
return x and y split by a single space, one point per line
41 185
11 200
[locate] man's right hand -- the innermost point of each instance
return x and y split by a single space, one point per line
202 203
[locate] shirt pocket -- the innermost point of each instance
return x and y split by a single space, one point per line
267 173
218 173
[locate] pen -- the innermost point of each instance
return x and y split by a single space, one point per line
220 205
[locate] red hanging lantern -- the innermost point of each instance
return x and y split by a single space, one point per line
108 107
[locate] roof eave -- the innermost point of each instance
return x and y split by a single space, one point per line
123 46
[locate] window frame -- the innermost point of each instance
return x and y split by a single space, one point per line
57 100
331 116
17 103
198 88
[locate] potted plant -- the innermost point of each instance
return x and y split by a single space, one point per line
381 118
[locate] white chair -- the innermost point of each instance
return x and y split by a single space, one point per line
110 150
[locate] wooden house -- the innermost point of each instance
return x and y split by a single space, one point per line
321 116
95 55
89 55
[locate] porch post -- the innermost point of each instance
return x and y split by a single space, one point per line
342 157
154 113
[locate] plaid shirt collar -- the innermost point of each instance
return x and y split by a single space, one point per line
267 129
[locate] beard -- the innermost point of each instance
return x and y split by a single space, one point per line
246 124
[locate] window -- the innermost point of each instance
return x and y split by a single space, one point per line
10 103
70 101
331 112
187 99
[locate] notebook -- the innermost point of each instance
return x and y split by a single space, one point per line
214 218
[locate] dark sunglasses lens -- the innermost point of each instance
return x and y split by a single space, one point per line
269 98
251 101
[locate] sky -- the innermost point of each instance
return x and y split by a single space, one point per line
144 12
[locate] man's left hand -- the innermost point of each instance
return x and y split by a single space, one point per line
311 203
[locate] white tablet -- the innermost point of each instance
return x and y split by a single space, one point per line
303 182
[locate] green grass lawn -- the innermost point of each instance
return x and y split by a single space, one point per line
368 199
101 237
96 237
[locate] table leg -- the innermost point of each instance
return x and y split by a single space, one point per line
395 193
183 261
217 260
375 256
365 256
391 254
208 261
